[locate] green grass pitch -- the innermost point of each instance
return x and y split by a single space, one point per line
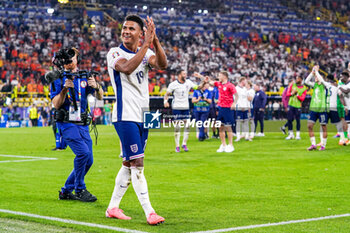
264 181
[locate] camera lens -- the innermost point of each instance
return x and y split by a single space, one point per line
71 53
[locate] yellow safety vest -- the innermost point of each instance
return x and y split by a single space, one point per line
33 113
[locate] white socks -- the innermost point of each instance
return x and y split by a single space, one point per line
321 134
245 129
139 184
238 129
339 126
186 135
252 127
313 140
177 136
298 134
122 182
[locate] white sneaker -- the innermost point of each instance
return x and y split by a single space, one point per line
290 136
229 149
238 139
221 148
297 138
260 135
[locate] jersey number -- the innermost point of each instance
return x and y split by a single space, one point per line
139 76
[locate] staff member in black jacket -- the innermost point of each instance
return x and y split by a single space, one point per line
259 103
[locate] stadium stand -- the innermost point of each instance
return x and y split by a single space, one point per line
267 41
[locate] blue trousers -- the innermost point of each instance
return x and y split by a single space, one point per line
201 116
60 143
78 139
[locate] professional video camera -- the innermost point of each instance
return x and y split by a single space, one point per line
61 58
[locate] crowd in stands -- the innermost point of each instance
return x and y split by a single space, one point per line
29 37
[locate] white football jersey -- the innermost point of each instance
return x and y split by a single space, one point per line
131 91
251 93
242 103
180 94
333 96
347 96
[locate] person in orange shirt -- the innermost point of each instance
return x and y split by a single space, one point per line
40 88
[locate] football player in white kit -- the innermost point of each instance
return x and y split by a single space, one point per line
344 92
251 94
128 67
332 105
180 105
242 108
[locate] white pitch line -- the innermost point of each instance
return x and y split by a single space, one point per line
28 158
71 221
275 224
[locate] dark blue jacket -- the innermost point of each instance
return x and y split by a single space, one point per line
260 99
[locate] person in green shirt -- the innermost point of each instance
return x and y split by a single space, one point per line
107 109
318 109
296 93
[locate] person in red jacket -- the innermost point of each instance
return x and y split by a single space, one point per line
226 105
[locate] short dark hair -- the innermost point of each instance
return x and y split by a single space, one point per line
179 71
345 73
330 77
135 18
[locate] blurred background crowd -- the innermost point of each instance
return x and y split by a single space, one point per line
269 41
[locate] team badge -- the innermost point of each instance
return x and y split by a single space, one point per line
116 54
134 148
224 88
83 84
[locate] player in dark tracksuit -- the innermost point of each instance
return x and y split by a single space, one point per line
73 122
259 103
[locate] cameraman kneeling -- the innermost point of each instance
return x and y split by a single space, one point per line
69 96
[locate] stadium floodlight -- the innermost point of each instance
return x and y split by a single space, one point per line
199 11
172 9
63 1
144 7
164 8
50 10
180 1
318 18
205 12
135 6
